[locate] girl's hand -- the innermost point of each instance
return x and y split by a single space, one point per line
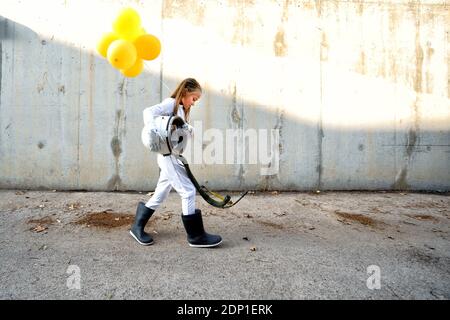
189 128
154 140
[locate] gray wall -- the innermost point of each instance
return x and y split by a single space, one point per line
358 91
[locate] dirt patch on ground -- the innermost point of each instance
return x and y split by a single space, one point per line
73 206
106 219
362 219
422 257
425 205
377 210
270 224
42 221
422 217
41 224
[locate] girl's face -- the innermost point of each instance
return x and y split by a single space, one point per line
190 98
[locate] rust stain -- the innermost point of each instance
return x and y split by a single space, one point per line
382 68
430 50
360 7
190 10
418 51
419 67
242 26
236 3
318 4
393 67
279 45
310 5
324 48
285 14
428 75
393 25
361 66
393 19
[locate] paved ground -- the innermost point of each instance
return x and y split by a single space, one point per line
276 246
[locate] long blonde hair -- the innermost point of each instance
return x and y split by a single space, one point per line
187 85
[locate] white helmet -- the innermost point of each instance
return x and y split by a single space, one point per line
166 135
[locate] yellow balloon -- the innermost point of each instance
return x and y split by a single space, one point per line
127 24
135 70
140 33
121 54
105 41
148 46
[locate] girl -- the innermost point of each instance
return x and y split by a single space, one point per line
173 174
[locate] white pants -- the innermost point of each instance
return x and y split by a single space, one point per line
173 174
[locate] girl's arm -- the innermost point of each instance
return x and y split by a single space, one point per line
164 108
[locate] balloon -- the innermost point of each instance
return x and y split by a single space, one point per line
148 46
121 54
135 70
105 41
128 24
128 44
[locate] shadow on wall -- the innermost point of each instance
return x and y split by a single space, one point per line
69 121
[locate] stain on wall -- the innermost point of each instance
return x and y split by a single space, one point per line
279 43
190 10
413 135
114 183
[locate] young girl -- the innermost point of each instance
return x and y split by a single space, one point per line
173 175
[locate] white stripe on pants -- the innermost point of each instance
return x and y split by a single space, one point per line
173 174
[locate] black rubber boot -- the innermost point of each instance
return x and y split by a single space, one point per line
137 230
196 235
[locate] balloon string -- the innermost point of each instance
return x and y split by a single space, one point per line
165 85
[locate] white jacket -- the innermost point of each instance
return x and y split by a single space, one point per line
165 108
153 137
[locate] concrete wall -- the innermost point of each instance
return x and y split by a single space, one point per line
358 91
